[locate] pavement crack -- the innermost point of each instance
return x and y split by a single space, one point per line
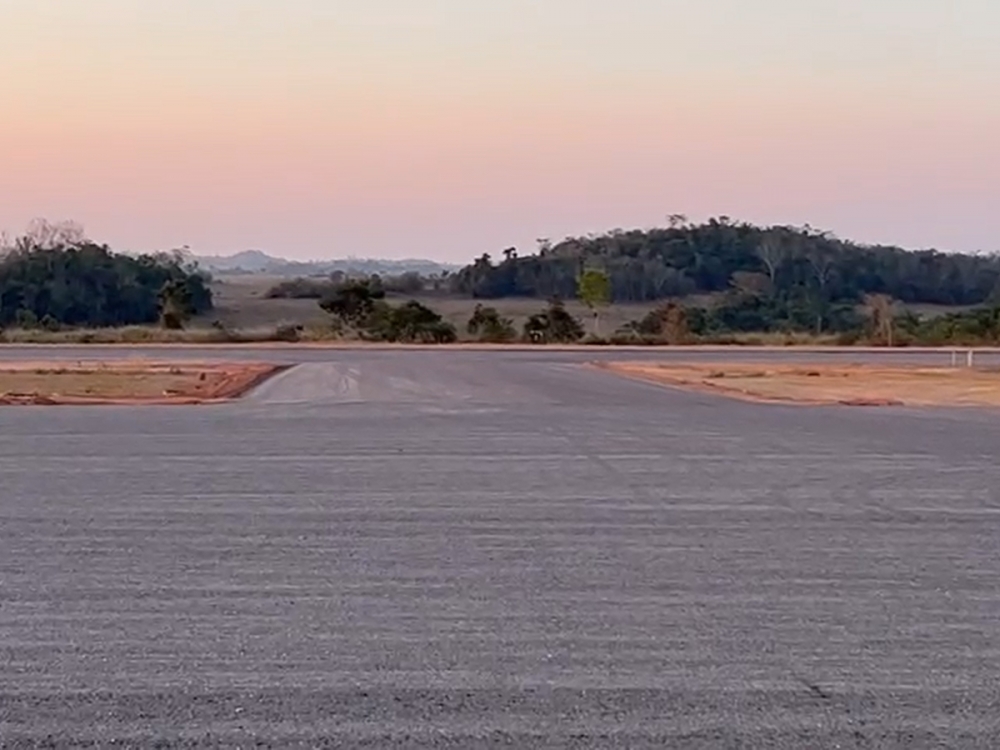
815 689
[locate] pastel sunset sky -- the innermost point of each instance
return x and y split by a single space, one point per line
446 128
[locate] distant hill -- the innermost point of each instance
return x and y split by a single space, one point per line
799 266
255 261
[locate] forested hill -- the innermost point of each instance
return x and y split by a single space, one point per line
721 255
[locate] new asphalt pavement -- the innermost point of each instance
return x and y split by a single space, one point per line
496 549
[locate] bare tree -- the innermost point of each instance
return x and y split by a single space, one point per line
45 235
675 324
880 313
822 263
772 253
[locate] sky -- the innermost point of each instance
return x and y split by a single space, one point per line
449 128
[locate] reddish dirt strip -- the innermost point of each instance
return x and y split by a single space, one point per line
128 383
825 384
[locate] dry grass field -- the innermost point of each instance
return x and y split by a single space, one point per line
126 382
240 303
244 314
863 385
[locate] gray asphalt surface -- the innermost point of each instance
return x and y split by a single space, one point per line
462 549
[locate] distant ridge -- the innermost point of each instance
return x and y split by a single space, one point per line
256 261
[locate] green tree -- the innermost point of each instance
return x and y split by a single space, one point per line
594 290
811 275
353 302
553 325
410 322
488 325
55 274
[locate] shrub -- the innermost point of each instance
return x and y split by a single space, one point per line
354 303
489 326
301 288
410 322
290 333
553 325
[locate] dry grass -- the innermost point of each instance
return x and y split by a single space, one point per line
240 304
829 384
126 383
194 334
244 315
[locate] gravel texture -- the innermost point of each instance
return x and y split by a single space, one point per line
465 549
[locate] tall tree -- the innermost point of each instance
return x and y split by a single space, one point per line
880 312
772 252
821 263
594 290
175 304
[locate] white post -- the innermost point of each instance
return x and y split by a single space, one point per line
969 358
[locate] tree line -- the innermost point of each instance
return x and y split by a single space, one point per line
776 279
54 276
359 307
796 267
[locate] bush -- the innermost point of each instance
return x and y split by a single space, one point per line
290 333
410 322
50 324
490 326
354 303
26 319
301 288
409 282
553 325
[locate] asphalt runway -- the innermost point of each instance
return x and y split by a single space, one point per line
496 549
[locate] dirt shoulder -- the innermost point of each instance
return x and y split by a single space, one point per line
128 383
351 345
826 384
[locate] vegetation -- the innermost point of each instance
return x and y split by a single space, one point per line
553 325
53 277
301 288
594 289
669 324
801 278
409 282
489 326
777 284
353 304
360 306
409 323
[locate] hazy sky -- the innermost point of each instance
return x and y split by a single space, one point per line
445 128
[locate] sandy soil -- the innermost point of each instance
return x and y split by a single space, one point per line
859 385
134 382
